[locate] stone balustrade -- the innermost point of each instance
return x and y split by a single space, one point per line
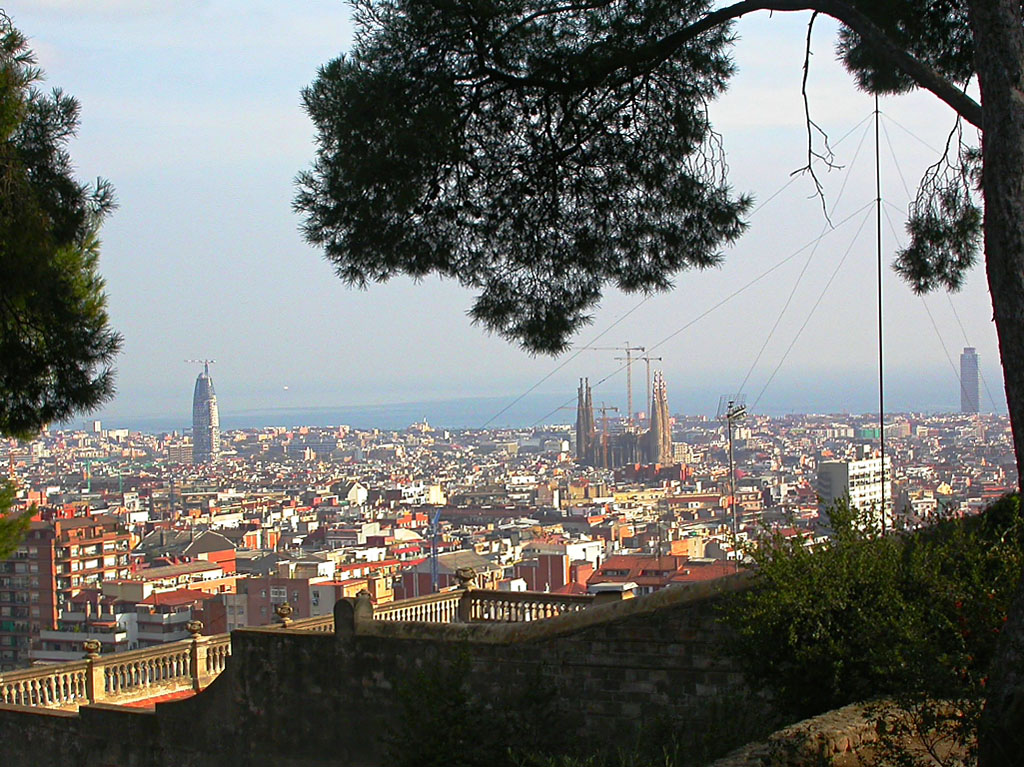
191 664
432 608
64 685
316 623
522 606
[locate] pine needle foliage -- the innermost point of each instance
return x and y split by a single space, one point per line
430 162
56 346
540 151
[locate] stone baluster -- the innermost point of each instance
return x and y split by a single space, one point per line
197 656
94 689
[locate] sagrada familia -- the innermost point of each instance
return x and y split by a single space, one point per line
624 446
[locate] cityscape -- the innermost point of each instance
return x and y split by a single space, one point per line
321 444
139 534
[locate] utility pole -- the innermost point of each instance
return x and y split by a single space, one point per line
629 369
731 412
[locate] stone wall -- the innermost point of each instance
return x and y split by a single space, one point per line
300 698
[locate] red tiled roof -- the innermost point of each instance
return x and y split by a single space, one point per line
570 588
178 597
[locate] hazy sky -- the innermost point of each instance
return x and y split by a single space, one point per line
192 109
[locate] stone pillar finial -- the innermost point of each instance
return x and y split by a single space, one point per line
363 607
92 648
194 628
467 577
284 614
93 672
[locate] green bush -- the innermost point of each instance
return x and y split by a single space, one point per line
865 616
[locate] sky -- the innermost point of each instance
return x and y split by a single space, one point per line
192 110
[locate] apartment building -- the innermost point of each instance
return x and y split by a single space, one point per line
57 559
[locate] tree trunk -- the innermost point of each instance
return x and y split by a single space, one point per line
999 44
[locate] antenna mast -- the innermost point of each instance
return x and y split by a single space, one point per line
881 355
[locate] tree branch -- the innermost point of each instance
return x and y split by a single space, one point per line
827 157
658 51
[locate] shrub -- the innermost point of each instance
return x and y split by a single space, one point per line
913 616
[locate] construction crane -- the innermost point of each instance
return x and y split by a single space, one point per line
205 363
629 369
650 396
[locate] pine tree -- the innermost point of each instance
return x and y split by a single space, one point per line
56 346
539 150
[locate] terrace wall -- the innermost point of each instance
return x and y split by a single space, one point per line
309 699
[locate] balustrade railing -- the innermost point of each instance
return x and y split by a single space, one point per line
145 673
317 623
59 686
432 608
191 664
522 606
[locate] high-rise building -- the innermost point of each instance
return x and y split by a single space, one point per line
969 380
205 419
860 481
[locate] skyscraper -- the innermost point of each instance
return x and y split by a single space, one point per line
205 419
969 380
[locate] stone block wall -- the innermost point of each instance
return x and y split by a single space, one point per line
310 699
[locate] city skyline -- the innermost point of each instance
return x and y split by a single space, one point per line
291 336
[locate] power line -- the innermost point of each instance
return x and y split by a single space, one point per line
807 262
722 302
931 319
816 304
956 315
577 353
607 330
753 212
967 342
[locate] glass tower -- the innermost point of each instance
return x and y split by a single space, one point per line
205 419
969 380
